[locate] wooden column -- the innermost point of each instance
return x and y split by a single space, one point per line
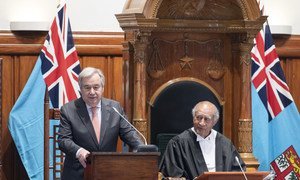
139 82
245 117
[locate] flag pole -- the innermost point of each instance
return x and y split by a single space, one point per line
46 129
46 135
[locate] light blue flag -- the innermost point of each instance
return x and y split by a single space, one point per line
271 139
260 132
26 124
275 117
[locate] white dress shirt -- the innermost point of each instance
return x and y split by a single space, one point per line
208 147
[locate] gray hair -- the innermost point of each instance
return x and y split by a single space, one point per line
88 72
216 114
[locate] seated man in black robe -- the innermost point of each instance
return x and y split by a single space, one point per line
200 148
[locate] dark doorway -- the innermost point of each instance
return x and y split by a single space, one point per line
171 112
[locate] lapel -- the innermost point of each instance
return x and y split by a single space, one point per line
219 154
83 114
105 114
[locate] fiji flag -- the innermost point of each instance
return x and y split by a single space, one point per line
276 120
58 66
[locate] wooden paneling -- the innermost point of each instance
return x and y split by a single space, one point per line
19 43
19 52
103 50
287 46
292 67
288 49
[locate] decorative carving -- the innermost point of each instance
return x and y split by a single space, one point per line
244 42
139 54
185 62
215 68
140 45
245 38
245 135
188 8
208 24
156 68
200 9
245 49
245 58
141 125
126 50
242 5
238 38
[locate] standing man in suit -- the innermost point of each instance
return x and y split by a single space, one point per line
89 124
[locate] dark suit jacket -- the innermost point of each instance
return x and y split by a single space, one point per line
76 130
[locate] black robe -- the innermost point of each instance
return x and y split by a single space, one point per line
183 156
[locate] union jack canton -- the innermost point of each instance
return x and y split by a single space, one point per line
267 75
60 64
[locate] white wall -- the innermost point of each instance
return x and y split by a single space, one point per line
85 15
99 15
284 13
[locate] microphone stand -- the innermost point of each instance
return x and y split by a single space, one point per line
237 160
145 141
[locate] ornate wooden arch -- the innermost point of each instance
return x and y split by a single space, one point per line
161 88
206 40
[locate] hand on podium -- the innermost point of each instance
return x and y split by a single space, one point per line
175 178
162 177
82 155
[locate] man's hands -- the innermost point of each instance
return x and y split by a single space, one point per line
82 155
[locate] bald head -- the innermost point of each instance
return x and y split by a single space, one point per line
205 116
208 107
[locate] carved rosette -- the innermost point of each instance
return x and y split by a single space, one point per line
245 135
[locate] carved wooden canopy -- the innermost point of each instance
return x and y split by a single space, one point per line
207 41
195 15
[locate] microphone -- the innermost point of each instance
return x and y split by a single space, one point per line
237 160
145 141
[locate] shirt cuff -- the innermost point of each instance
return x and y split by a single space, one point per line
77 153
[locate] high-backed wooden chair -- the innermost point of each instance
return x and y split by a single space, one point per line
51 120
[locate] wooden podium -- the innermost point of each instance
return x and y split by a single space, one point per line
129 165
232 175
